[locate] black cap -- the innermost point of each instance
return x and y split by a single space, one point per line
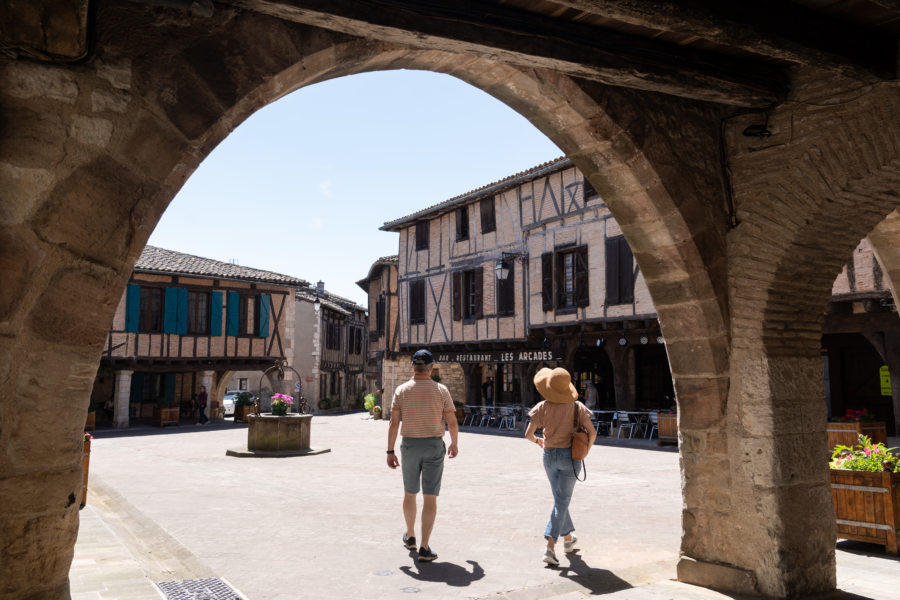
423 357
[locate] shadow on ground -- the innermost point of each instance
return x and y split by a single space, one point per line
445 572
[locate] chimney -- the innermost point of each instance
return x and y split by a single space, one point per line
320 287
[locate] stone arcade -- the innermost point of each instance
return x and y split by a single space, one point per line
744 151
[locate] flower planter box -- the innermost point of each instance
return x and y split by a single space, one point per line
846 433
460 414
85 463
166 415
241 412
91 421
667 428
867 506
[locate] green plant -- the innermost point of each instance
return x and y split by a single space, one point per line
370 401
243 399
866 457
436 377
281 403
325 403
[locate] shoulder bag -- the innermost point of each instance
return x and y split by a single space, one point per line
580 445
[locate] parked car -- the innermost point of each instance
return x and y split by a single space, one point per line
228 402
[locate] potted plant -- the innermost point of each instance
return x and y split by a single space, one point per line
85 463
376 411
865 492
325 403
369 402
91 421
844 430
667 426
243 406
166 413
460 411
281 403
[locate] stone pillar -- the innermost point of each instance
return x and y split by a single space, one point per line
206 379
122 401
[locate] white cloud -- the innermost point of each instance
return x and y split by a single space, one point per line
318 223
325 188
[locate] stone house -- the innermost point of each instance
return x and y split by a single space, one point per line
185 322
526 272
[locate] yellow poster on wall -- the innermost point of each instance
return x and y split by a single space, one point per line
885 380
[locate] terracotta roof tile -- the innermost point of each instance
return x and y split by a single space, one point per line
160 260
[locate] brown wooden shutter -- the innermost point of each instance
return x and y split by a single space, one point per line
560 280
547 281
479 293
581 277
612 271
456 285
488 222
626 271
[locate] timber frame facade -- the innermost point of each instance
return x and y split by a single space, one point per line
185 322
572 294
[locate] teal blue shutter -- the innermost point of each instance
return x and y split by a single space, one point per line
170 311
233 314
215 313
181 314
132 307
264 301
170 389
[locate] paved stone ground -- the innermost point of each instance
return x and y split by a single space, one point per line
170 505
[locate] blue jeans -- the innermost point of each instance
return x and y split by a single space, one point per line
558 465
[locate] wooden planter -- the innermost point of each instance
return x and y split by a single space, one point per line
241 411
460 414
166 415
867 506
847 433
85 462
91 421
667 428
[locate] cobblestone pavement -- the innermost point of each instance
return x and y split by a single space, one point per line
171 506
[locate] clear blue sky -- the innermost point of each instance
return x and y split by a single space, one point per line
303 185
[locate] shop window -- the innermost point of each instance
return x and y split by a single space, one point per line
417 302
619 271
564 279
422 235
467 294
462 223
488 219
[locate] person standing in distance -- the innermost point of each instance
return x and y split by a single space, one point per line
423 405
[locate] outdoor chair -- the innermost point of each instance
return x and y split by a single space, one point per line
486 416
470 412
654 426
507 417
624 423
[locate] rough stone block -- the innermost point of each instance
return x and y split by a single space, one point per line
717 576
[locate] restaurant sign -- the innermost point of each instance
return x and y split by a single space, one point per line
500 356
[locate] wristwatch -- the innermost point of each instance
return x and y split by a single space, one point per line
390 451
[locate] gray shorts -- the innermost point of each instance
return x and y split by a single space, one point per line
422 460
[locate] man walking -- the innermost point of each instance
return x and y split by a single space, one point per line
423 405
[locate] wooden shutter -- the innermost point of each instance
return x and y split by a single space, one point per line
265 301
626 271
488 220
215 313
506 295
181 312
479 293
581 277
169 387
547 281
132 307
233 314
612 271
456 285
170 311
560 280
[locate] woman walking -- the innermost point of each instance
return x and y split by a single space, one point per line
556 414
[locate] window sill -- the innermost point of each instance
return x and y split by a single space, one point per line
568 310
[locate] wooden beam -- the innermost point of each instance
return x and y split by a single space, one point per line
531 40
772 28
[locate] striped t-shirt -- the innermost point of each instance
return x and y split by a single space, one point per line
422 404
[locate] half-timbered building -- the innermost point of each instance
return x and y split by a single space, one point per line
527 272
185 322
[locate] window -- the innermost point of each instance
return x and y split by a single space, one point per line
488 221
462 223
506 292
422 235
619 271
242 383
247 323
564 279
198 313
333 332
151 310
379 316
589 191
467 295
417 302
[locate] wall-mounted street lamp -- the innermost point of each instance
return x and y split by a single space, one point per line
317 306
502 268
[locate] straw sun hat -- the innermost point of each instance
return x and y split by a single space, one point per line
555 385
